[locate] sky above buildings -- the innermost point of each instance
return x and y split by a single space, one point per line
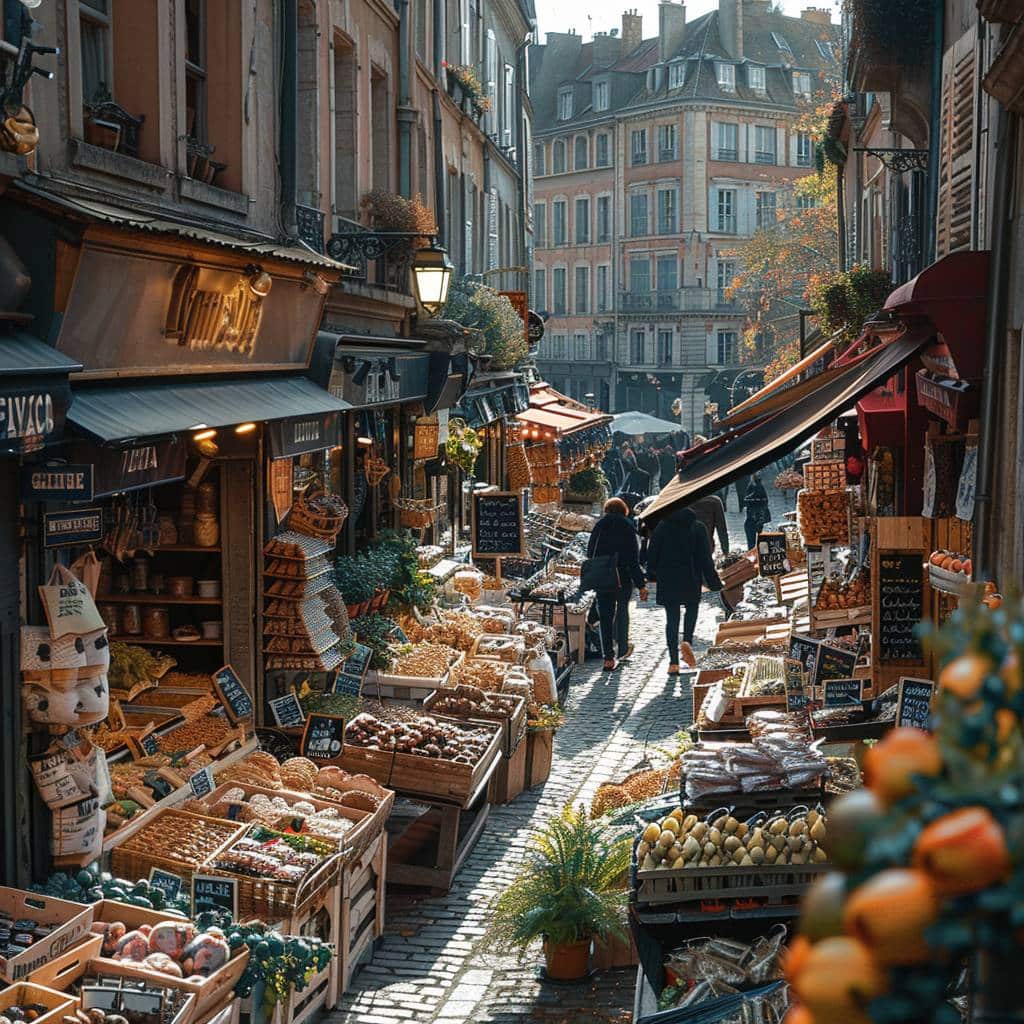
601 15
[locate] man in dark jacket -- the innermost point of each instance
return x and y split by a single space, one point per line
667 462
711 512
758 510
615 534
679 559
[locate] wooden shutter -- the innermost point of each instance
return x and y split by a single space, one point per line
957 157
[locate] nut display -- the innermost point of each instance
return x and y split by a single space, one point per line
457 629
837 593
509 649
179 837
683 840
425 737
466 701
277 812
823 515
266 853
483 675
422 661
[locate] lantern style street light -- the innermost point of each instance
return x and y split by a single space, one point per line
432 275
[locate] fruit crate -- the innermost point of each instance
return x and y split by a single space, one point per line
833 618
513 726
771 884
825 476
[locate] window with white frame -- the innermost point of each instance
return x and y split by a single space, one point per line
667 211
538 159
581 153
582 290
601 95
558 222
765 206
638 346
782 43
728 141
764 144
667 274
726 348
94 28
726 76
508 109
195 65
540 225
490 82
602 150
604 218
676 75
803 149
726 273
558 300
666 336
638 146
638 214
540 288
564 104
805 202
755 77
582 221
558 157
640 275
825 49
667 142
602 289
727 210
558 346
802 85
581 346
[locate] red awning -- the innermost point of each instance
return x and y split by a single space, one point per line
551 410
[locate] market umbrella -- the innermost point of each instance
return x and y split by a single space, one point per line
633 423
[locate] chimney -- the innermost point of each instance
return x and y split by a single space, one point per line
607 50
730 26
817 15
632 30
671 28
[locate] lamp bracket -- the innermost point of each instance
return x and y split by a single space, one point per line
899 161
359 246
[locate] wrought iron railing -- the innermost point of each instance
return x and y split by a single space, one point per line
380 258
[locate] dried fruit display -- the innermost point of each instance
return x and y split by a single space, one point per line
425 736
837 593
823 515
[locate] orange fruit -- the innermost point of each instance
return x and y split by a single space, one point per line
963 852
1010 673
891 764
795 957
947 562
936 558
1006 722
964 676
798 1015
957 565
890 912
839 978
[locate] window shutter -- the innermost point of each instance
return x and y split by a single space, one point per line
491 84
492 229
956 151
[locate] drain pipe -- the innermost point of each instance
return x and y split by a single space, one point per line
995 334
935 131
405 113
440 196
289 115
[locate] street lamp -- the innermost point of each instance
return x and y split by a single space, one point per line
432 274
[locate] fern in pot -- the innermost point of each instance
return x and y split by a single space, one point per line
570 891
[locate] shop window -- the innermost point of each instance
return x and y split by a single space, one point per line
94 28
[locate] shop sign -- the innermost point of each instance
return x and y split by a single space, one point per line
900 606
140 465
212 892
521 306
497 524
914 703
31 416
57 482
81 526
772 554
303 434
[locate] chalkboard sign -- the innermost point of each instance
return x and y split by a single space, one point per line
772 557
914 703
900 605
805 650
149 744
796 685
323 738
234 696
211 892
202 783
287 711
844 693
833 663
169 884
498 524
352 672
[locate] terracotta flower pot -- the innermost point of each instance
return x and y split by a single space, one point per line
353 610
364 607
570 962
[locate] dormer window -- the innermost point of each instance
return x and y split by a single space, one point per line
564 104
755 78
601 96
781 43
802 85
726 75
825 49
676 75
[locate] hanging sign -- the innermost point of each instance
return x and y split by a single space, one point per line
497 524
534 328
32 416
143 464
900 605
82 526
303 434
844 693
914 703
521 306
833 663
287 711
281 477
233 695
772 557
323 738
211 892
57 482
169 884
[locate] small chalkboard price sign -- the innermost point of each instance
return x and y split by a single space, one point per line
202 783
233 695
833 663
900 605
352 671
772 557
149 744
169 884
844 693
323 738
287 711
914 703
797 698
211 892
805 650
498 525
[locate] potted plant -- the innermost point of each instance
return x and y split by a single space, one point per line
488 311
571 890
354 579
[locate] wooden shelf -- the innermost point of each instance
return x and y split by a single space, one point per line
167 643
188 547
154 599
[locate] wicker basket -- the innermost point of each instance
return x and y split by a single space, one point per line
375 469
318 515
417 513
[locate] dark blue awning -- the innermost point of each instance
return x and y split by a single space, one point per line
121 413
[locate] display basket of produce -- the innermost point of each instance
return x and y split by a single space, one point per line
176 841
509 649
279 874
824 515
825 476
415 672
67 924
950 573
472 703
318 515
455 758
36 1003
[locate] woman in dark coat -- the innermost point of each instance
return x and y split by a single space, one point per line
679 559
615 534
758 510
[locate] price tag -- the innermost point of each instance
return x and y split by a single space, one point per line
169 884
202 783
287 711
233 695
149 744
833 663
805 650
844 693
351 674
323 738
211 892
772 554
914 703
796 685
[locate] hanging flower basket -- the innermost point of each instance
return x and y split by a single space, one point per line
375 470
318 515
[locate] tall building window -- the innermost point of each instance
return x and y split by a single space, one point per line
581 154
195 68
782 43
602 289
540 288
726 348
601 91
602 156
638 214
94 27
668 273
676 75
639 146
803 149
564 104
558 304
581 346
640 275
582 221
540 225
582 289
558 222
804 202
558 346
558 157
755 77
726 274
765 210
727 210
638 347
604 218
728 141
538 159
726 76
764 144
802 85
508 109
667 142
666 211
665 338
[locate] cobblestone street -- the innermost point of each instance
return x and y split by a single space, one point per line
432 964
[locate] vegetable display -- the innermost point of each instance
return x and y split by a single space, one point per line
90 885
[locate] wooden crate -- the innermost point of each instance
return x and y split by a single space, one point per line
363 885
57 1003
509 778
513 727
836 618
739 707
829 475
58 972
539 752
793 586
773 884
71 923
739 572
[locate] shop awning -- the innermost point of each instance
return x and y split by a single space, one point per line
551 410
122 413
764 441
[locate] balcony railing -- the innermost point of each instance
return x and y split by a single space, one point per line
639 157
678 300
665 155
729 154
763 157
379 258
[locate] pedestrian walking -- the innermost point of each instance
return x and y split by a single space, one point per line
711 513
758 510
679 561
614 535
741 491
667 463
